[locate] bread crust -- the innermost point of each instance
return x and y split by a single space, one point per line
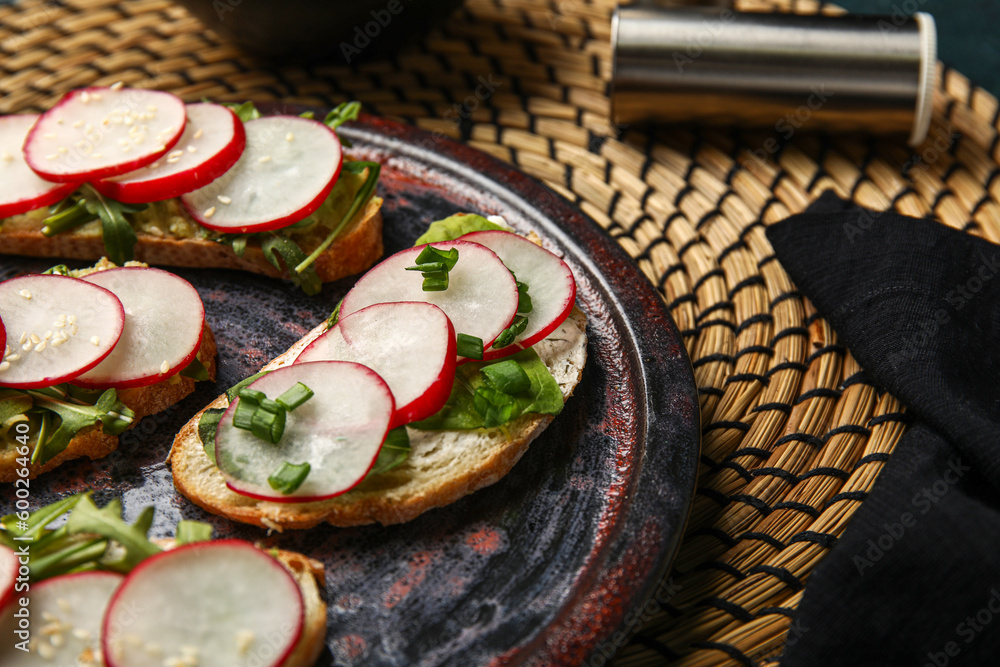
459 462
92 442
352 252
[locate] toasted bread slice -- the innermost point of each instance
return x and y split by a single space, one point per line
356 249
93 442
442 466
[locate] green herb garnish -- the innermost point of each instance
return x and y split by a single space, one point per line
288 477
294 396
435 264
470 347
86 205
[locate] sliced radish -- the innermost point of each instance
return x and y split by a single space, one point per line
21 189
411 345
207 603
8 575
57 328
96 133
481 299
286 171
212 142
338 432
164 321
65 621
550 285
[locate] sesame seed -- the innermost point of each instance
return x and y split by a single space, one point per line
172 160
7 157
96 96
95 340
164 367
35 340
48 335
71 319
83 634
126 149
266 158
192 149
4 365
224 199
210 212
197 135
117 85
49 135
151 107
88 128
24 337
46 651
13 357
40 346
62 150
57 640
155 165
96 155
289 137
176 154
25 293
59 340
78 123
73 330
27 346
85 97
153 649
51 156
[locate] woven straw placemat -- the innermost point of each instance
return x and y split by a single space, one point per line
794 435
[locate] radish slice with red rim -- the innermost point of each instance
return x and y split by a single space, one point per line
287 169
57 328
65 625
8 575
550 281
21 189
212 142
338 432
95 133
411 345
208 603
481 299
164 321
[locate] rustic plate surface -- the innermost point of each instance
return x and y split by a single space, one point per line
547 566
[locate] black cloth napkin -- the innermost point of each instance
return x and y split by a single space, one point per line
915 579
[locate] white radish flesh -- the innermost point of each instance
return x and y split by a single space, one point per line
164 321
65 625
208 603
481 299
57 328
96 133
8 575
287 169
550 281
338 432
411 345
21 189
212 142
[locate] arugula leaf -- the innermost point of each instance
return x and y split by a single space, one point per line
116 231
304 276
339 115
196 371
13 403
245 111
364 193
34 526
188 532
208 425
394 451
74 414
107 522
460 412
454 226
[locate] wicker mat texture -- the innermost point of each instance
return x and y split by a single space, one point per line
794 436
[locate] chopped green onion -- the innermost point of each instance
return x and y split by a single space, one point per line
289 477
243 417
268 425
294 396
507 376
470 347
508 335
252 395
435 265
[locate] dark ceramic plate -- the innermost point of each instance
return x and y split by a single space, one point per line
554 563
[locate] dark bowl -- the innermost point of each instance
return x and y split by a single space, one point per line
331 31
